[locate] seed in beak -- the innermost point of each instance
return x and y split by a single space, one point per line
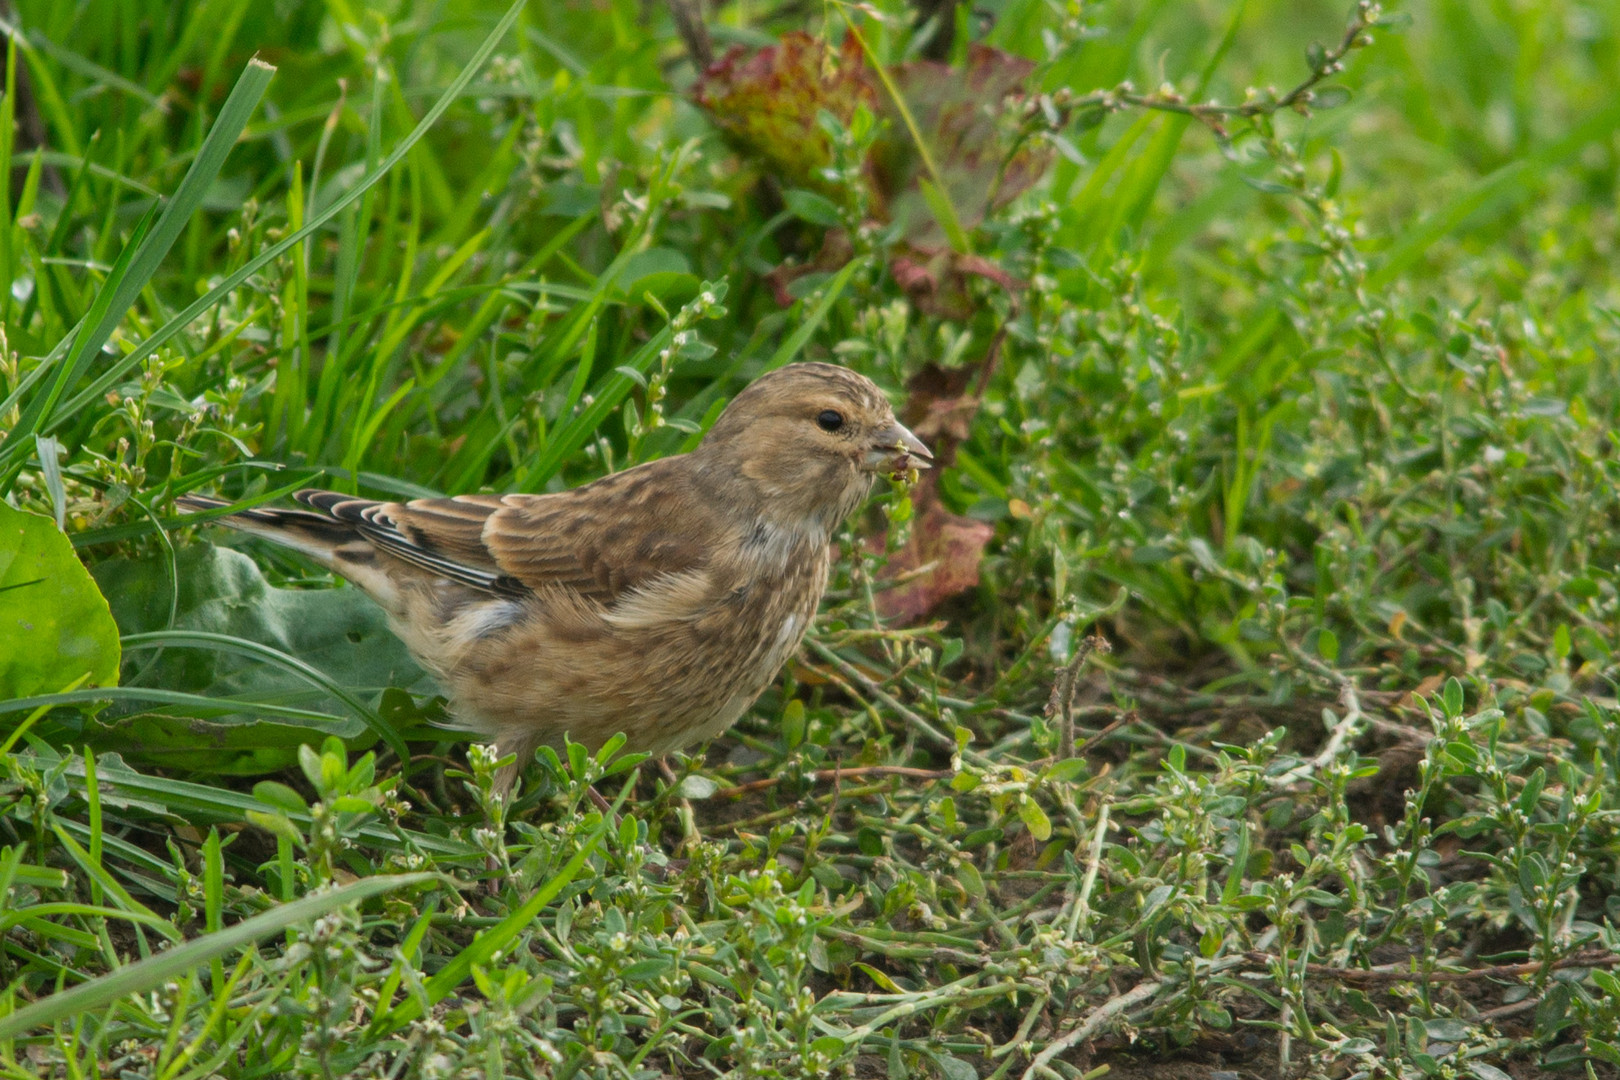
898 452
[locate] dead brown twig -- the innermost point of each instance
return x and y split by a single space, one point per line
1397 973
1066 685
688 15
825 776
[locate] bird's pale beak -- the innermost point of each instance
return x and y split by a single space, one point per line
894 449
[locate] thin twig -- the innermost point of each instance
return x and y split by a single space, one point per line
688 15
1092 1024
1100 736
822 776
1397 973
1211 113
902 951
1066 685
1506 1012
855 675
1082 903
1343 730
838 792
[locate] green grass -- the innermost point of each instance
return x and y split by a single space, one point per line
1308 420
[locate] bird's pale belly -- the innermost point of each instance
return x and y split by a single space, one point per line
665 687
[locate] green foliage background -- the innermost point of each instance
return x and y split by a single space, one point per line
1310 418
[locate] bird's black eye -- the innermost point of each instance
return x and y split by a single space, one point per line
830 420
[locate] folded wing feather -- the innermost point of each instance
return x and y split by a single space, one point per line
592 541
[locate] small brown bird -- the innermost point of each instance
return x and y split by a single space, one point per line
659 601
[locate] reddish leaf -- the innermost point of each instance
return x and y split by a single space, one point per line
969 119
912 276
954 544
940 406
937 283
979 266
768 102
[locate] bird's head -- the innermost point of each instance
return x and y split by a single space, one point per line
807 439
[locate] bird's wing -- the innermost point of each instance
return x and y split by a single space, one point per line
635 531
441 536
627 533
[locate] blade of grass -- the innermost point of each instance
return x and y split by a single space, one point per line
214 898
1511 183
223 995
797 340
17 916
46 92
201 706
209 805
935 192
500 296
352 237
568 439
52 361
499 936
92 798
1147 173
435 284
357 409
67 161
153 971
407 955
8 135
93 71
36 707
98 873
130 276
1088 201
227 285
368 430
198 639
287 402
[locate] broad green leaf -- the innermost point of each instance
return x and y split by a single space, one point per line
1034 819
1066 771
697 787
1327 644
879 977
338 633
971 880
814 208
1451 697
793 723
54 624
222 591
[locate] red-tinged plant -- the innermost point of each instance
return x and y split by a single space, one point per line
950 149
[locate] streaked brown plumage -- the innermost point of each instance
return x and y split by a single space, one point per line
659 601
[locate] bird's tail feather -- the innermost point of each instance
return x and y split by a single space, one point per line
315 535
